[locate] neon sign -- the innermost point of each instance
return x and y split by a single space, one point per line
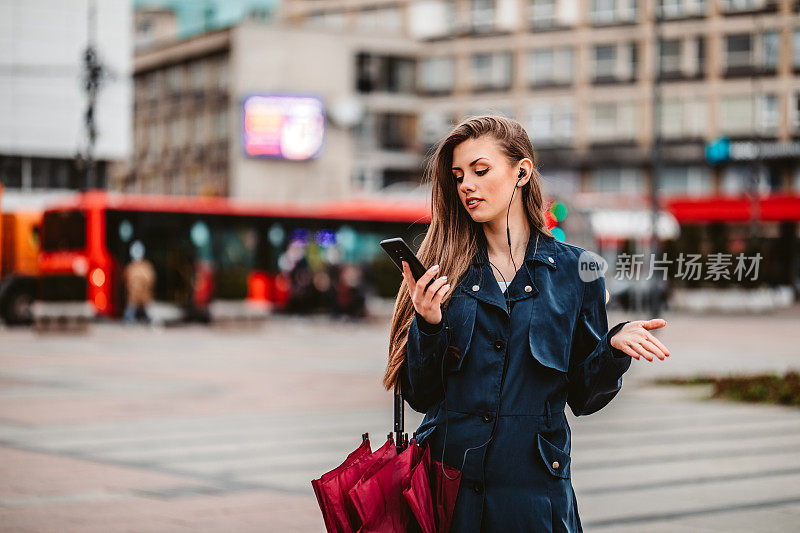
283 126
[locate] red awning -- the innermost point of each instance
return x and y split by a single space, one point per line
734 209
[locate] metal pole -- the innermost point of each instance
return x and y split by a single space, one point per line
93 75
655 293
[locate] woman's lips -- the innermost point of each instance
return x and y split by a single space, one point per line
474 205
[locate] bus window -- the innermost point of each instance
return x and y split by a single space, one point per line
64 230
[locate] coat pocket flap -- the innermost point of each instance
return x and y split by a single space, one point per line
556 460
547 348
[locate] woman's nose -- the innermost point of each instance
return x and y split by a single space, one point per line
466 187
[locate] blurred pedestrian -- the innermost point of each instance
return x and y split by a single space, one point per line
140 277
350 293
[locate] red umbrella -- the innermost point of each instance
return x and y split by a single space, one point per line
396 488
327 489
445 490
418 493
379 499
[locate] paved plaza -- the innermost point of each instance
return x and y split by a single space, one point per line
206 429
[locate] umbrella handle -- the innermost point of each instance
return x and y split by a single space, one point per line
399 423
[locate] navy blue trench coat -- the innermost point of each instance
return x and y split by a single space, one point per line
508 379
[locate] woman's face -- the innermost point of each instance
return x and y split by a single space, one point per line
481 171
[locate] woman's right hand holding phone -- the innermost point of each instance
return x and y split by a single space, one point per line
427 302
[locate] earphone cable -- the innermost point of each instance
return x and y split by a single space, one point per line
444 384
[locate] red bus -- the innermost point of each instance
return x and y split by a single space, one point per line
86 242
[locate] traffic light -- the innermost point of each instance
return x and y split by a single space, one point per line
556 215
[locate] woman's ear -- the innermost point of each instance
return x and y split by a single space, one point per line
525 172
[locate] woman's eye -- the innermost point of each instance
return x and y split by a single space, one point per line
458 178
481 172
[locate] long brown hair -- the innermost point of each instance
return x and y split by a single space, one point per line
452 237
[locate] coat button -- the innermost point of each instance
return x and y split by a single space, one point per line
555 465
487 417
528 288
499 345
476 288
550 259
477 487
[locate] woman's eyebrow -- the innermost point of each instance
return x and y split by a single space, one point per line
459 168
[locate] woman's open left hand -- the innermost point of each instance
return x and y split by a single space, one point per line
635 339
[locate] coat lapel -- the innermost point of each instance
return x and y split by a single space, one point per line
480 281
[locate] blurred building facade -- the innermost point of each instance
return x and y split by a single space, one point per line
188 117
43 101
596 83
579 75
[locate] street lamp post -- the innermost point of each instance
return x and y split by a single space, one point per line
655 293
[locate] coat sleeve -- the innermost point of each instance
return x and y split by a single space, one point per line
595 367
421 370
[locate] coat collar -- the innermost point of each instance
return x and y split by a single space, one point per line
546 251
480 282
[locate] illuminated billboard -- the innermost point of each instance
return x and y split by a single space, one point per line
283 126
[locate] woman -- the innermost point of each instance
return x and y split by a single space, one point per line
493 368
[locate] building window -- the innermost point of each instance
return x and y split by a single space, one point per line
768 116
670 56
399 75
379 19
614 121
175 79
605 58
685 180
738 51
670 9
770 46
615 62
384 73
176 132
616 179
482 15
679 118
222 75
199 76
700 44
550 65
221 125
366 133
796 48
541 13
437 74
732 6
550 123
749 114
396 131
737 114
613 11
560 181
737 179
433 126
491 71
333 20
432 19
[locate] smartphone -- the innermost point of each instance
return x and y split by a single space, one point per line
399 251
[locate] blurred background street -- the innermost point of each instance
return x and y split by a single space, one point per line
212 429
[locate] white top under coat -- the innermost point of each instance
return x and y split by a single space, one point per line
503 284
